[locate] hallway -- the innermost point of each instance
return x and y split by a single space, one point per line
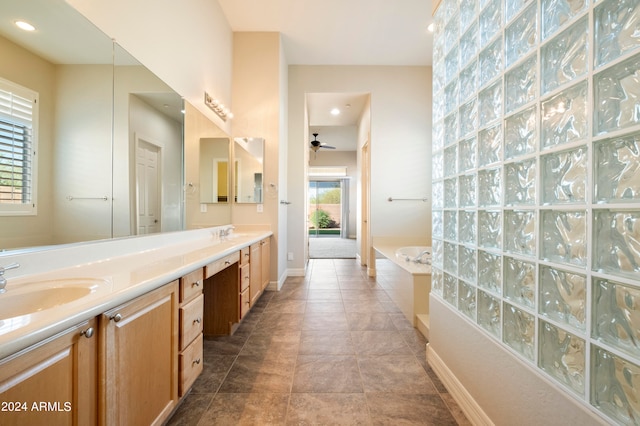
329 348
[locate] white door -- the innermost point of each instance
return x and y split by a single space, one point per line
148 187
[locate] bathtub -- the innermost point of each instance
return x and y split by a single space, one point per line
406 281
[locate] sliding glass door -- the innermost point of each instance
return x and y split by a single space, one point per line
325 208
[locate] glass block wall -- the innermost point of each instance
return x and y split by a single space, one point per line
536 186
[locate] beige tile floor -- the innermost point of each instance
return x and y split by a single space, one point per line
330 348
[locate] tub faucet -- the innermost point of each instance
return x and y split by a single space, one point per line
3 280
418 258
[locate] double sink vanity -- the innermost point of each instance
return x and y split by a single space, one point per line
112 332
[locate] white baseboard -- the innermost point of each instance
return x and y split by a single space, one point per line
468 405
295 272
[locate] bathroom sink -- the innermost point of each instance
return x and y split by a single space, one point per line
411 253
30 298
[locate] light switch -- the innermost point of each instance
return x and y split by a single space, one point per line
260 208
203 208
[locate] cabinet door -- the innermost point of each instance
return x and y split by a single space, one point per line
53 382
255 288
139 359
265 259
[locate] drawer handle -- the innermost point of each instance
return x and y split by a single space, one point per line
197 361
197 320
116 318
246 255
227 262
88 333
246 277
195 284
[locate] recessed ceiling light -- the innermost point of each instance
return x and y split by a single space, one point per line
23 25
335 111
430 27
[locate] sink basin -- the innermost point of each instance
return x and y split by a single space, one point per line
410 253
30 298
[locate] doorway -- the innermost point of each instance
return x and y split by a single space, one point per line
148 187
328 220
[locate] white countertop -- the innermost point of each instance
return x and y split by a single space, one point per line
125 269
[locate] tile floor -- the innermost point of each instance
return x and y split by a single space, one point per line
330 348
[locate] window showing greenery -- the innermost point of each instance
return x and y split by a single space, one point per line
17 149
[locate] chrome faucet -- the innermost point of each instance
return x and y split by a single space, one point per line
225 232
418 258
3 280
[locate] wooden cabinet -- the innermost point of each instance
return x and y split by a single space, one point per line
53 382
138 361
221 296
255 288
191 314
265 260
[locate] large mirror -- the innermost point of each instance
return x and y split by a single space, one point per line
107 133
214 170
248 170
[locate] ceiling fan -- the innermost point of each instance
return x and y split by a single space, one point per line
316 144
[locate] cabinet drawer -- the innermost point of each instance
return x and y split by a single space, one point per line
191 321
191 285
191 361
245 278
218 265
245 303
244 256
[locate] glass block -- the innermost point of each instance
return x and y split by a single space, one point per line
467 154
617 169
468 81
521 133
565 57
512 7
521 36
467 227
490 271
521 84
437 166
438 75
437 141
490 187
489 313
616 315
467 264
564 116
451 96
467 299
450 254
451 225
451 129
564 176
450 160
563 296
490 62
436 280
451 34
469 45
490 103
467 190
556 12
563 356
490 145
520 182
450 289
437 225
519 331
437 195
470 113
615 385
450 193
489 229
520 282
437 248
616 28
438 107
564 236
616 247
468 10
617 96
519 231
490 21
451 64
